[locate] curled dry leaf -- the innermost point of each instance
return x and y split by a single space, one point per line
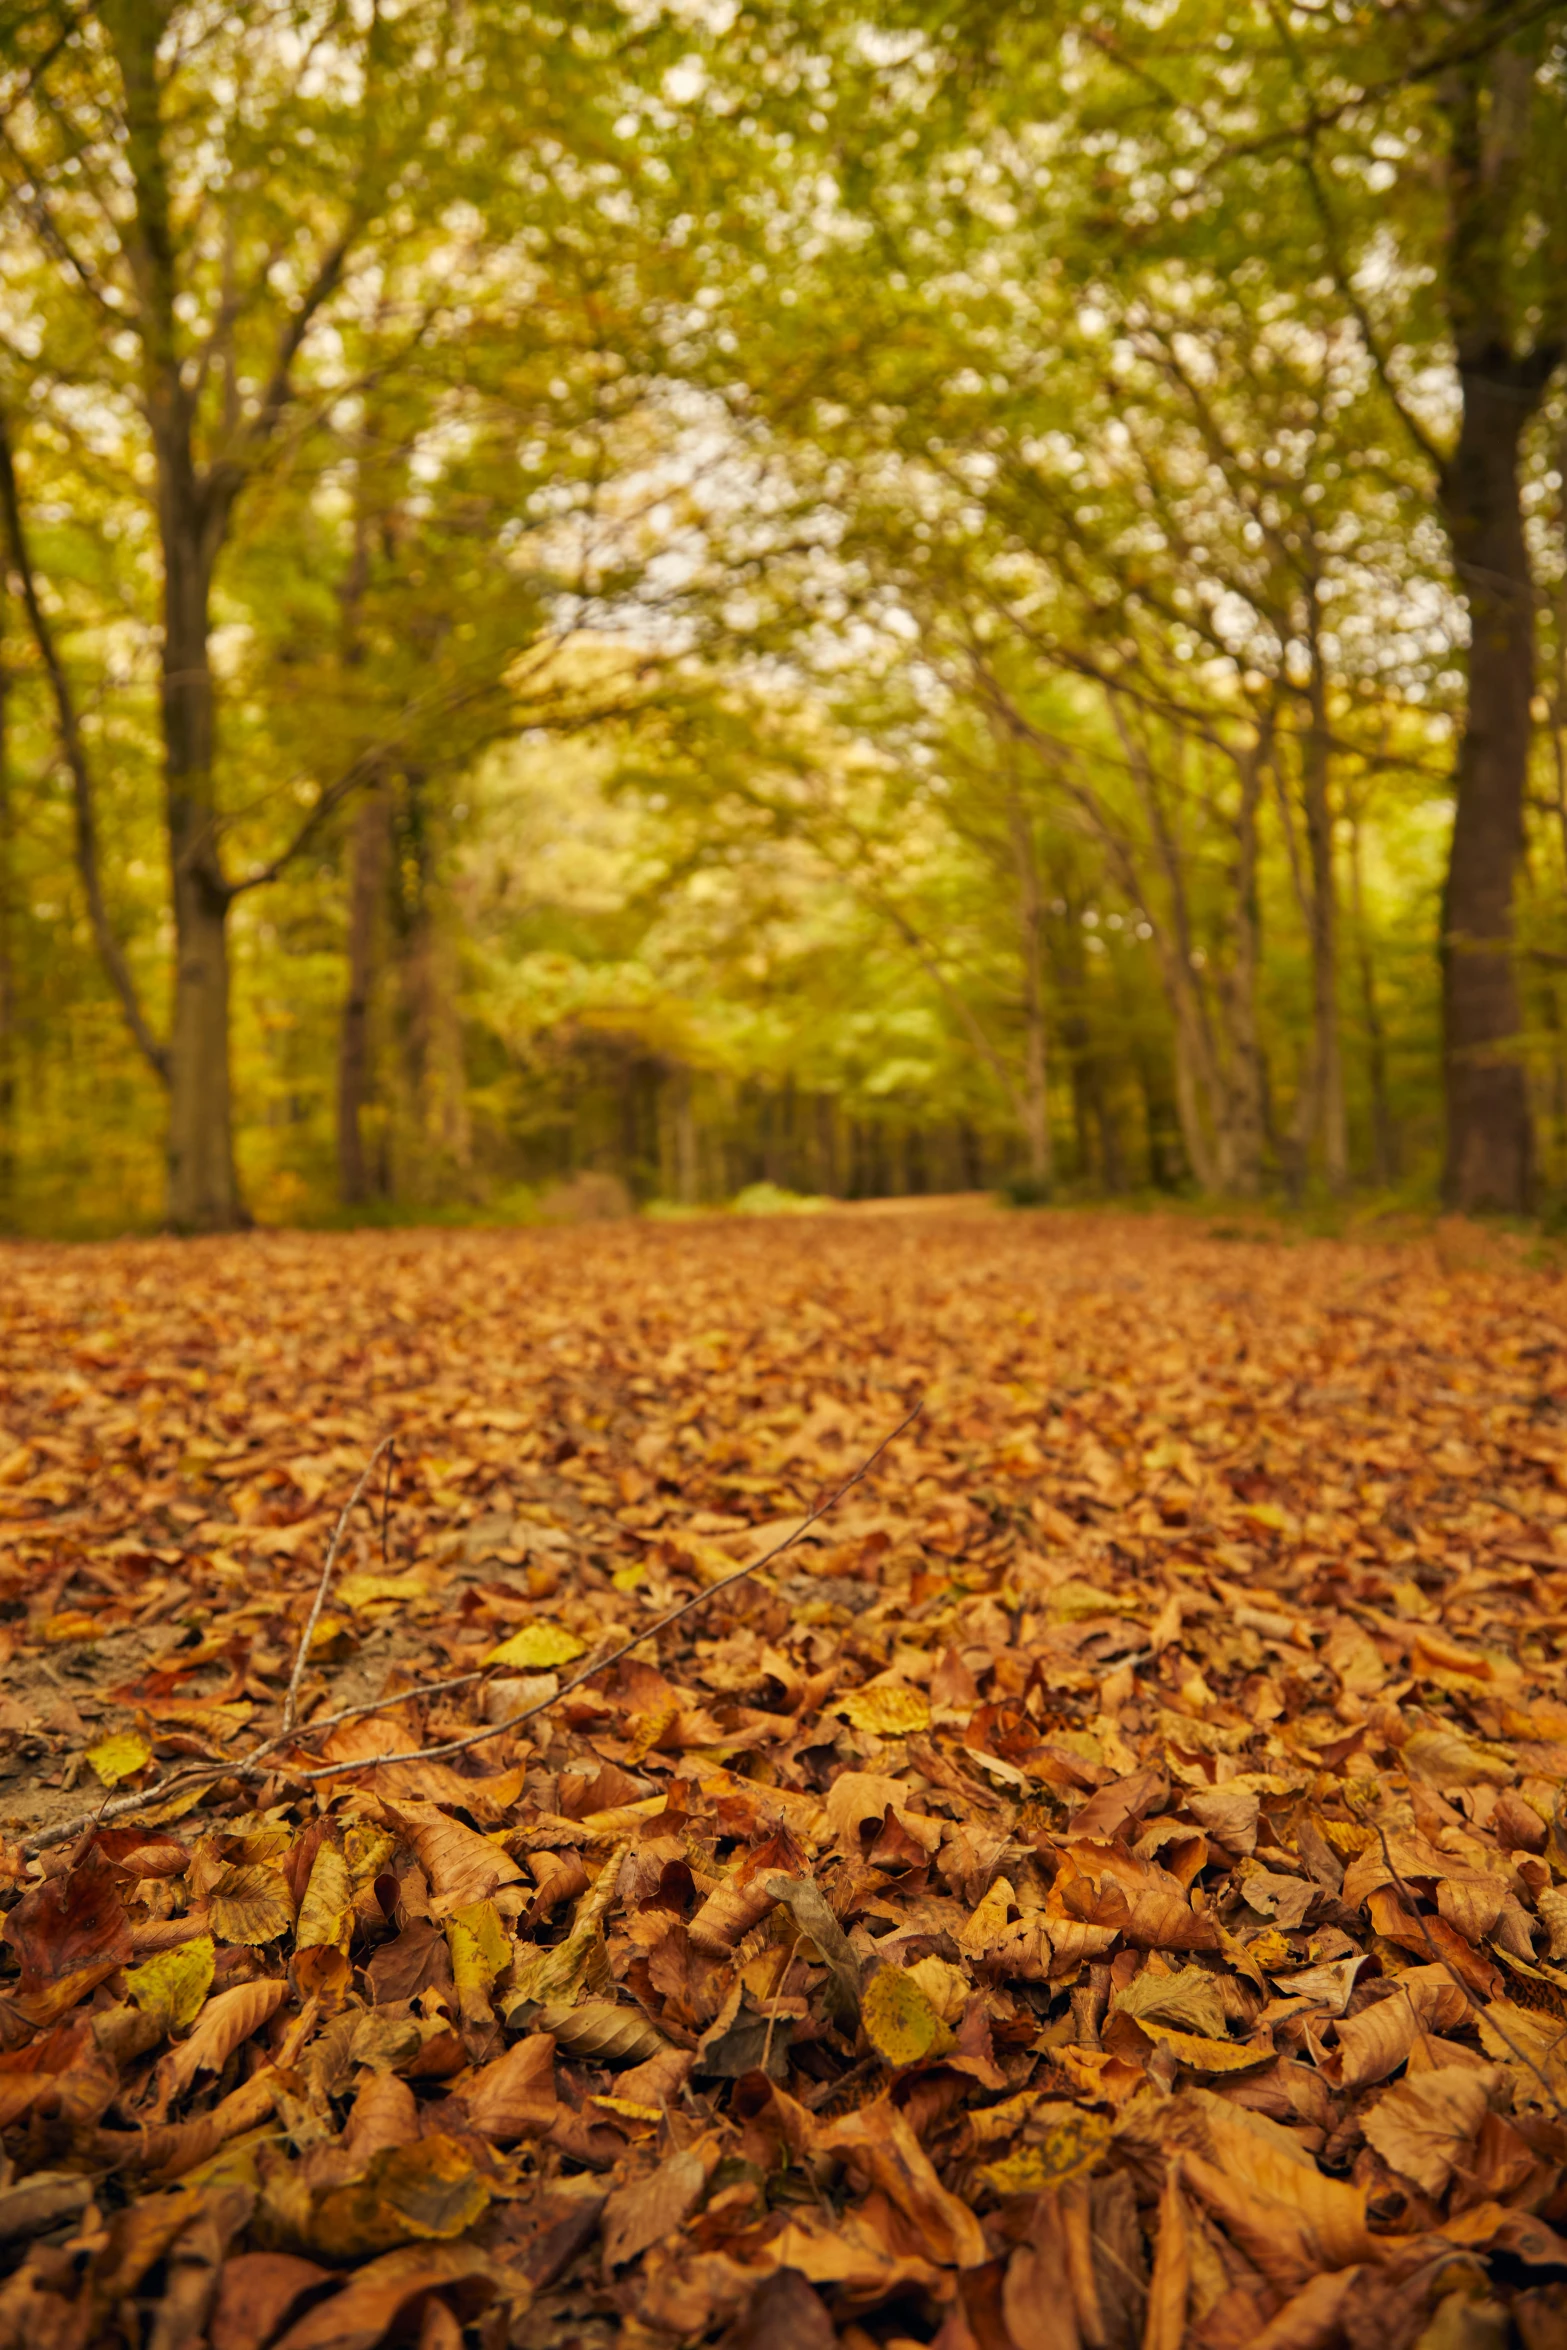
514 2096
1425 2125
644 2213
461 1865
250 1905
598 2031
226 2021
879 2140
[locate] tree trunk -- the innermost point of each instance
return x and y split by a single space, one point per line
687 1169
827 1178
1327 1060
7 942
203 1189
1036 1099
1508 338
1384 1151
1245 1106
1489 1142
355 1063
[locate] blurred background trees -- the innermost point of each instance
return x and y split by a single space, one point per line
867 601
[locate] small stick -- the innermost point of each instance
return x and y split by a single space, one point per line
291 1695
246 1766
1475 2002
386 1501
778 1992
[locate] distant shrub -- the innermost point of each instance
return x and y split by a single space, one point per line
770 1199
586 1199
1027 1191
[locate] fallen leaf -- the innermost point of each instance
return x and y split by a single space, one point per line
1424 2125
361 2314
250 1905
171 1987
225 2022
514 2096
537 1648
879 2140
899 2020
890 1712
120 1756
1065 2144
649 2210
429 2189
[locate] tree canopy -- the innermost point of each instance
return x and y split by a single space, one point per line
866 599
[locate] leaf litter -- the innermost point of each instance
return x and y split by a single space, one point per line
1103 1885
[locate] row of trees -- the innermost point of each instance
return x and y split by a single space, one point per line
852 598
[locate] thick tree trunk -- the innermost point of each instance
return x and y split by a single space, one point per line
7 943
1509 333
203 1189
355 1060
1244 1111
1384 1146
687 1168
1327 1056
1036 1098
1489 1143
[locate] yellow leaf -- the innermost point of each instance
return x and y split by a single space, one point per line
358 1591
537 1647
628 1578
647 1729
75 1624
119 1756
332 1640
1202 2055
1075 1602
900 2022
628 2109
889 1712
326 1914
173 1985
1271 1950
946 1986
250 1905
1187 2000
479 1950
980 1929
1069 2149
556 1974
367 1849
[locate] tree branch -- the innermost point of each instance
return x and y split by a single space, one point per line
75 752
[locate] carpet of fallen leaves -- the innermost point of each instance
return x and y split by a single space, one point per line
1104 1889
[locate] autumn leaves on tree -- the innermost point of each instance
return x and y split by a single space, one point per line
1049 553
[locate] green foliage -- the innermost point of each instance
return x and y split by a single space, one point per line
836 602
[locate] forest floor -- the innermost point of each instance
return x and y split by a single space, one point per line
1103 1886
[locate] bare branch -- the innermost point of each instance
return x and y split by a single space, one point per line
75 753
302 1653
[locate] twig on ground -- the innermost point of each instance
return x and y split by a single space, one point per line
778 1992
302 1655
248 1765
386 1503
1478 2004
